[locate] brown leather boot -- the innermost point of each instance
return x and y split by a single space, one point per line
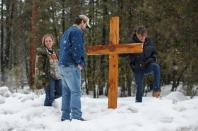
156 94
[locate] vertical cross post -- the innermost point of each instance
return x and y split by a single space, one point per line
113 63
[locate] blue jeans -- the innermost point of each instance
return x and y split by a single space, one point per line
139 79
71 92
52 91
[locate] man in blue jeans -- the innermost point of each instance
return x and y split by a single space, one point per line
71 63
144 63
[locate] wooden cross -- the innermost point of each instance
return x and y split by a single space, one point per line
113 49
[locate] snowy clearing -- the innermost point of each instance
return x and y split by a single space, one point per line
172 112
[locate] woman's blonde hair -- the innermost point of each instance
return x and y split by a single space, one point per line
45 36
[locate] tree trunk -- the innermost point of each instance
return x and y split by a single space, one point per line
2 42
63 15
104 41
10 60
33 43
54 25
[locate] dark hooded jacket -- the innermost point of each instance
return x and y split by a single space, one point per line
142 60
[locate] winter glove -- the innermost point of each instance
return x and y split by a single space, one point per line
148 61
142 65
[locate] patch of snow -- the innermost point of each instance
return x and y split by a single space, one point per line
173 112
4 91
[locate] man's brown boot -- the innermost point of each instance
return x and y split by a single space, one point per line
156 94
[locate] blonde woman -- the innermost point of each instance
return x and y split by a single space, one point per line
47 70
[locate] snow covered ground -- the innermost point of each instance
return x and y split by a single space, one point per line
172 112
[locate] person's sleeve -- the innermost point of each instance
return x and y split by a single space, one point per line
76 48
40 74
39 63
152 57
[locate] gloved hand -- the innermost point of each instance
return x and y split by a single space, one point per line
145 64
150 60
142 65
